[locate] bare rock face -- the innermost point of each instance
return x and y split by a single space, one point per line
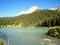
59 8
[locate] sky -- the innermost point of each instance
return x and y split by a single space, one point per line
14 7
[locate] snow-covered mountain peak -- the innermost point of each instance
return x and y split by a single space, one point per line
30 10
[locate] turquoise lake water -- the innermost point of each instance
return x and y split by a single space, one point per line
27 36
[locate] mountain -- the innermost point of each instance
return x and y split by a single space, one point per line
30 10
33 17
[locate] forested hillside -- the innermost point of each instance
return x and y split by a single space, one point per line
39 18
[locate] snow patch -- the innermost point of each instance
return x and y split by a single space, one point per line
52 8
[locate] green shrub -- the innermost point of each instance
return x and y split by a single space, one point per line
58 30
54 32
1 41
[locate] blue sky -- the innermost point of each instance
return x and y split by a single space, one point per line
13 7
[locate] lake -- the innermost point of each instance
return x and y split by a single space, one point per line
27 36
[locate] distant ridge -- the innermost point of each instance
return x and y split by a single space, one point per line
34 8
52 8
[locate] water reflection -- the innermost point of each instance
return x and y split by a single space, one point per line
5 38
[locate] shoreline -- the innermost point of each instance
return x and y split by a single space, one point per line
32 27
